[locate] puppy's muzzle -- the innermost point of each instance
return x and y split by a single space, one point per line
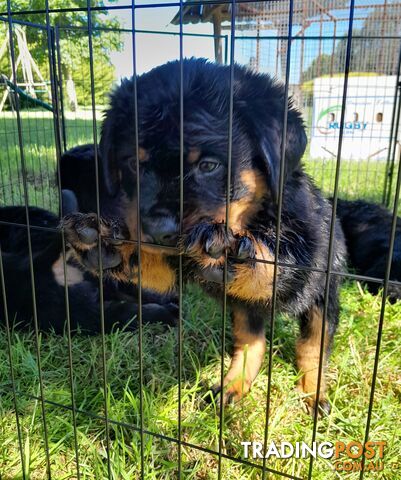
161 230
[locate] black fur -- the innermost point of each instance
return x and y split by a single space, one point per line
367 229
78 184
83 297
257 131
78 174
257 134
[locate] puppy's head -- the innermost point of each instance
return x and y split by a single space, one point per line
256 145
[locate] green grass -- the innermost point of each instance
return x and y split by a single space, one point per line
349 373
350 376
358 179
37 130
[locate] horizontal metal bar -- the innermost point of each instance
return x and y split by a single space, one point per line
156 435
125 7
22 22
207 35
317 37
129 30
175 4
175 251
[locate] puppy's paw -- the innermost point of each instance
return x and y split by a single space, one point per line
232 392
82 234
207 243
243 248
81 230
323 406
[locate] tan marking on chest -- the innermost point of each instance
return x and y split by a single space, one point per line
156 273
254 281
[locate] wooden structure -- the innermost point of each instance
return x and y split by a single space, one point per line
26 64
331 16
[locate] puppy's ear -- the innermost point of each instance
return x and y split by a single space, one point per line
260 104
269 143
296 139
108 157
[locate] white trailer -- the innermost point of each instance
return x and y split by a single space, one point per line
368 115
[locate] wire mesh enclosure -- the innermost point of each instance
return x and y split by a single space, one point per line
132 405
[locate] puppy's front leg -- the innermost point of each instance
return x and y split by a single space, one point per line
308 357
248 355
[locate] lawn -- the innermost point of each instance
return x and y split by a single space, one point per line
349 372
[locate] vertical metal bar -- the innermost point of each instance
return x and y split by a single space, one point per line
53 84
57 133
333 48
278 228
180 279
319 55
225 49
10 360
60 85
258 46
394 147
139 244
333 224
228 188
383 304
101 296
28 226
392 140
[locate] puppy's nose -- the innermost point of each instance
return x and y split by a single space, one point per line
162 230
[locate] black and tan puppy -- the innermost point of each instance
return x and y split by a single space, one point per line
50 278
367 228
249 235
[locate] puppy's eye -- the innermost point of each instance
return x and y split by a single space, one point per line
208 165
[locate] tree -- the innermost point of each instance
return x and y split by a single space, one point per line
321 65
369 53
74 45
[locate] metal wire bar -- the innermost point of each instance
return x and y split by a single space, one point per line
392 139
158 435
173 250
4 18
317 37
328 272
206 35
227 212
31 267
56 123
188 3
278 228
130 30
101 296
383 304
332 229
139 243
181 213
10 360
60 86
397 101
125 7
